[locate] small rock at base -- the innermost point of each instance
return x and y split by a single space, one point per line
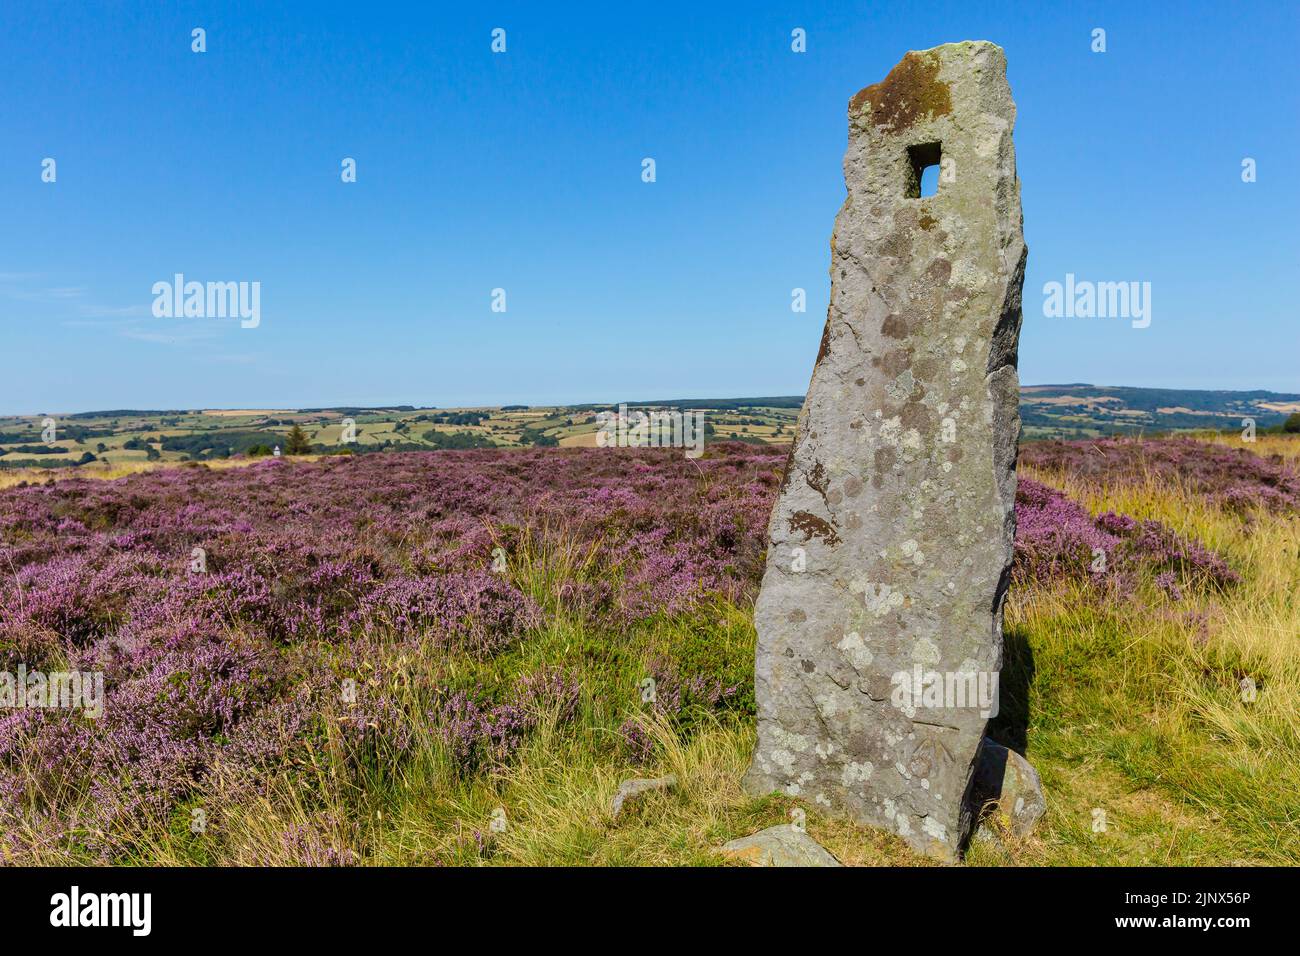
633 790
781 845
1003 775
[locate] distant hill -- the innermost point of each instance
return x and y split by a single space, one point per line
121 436
725 404
1079 410
1083 411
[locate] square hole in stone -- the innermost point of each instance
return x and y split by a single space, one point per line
923 163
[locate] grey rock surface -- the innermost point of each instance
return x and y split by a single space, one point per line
781 845
631 791
1008 779
891 541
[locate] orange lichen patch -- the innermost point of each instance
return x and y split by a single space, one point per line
912 90
811 526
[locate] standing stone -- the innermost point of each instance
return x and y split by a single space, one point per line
880 616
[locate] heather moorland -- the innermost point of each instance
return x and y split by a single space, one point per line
370 659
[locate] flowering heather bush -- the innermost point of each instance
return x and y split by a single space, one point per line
478 733
310 571
472 610
1233 478
637 744
394 542
304 844
678 699
1057 538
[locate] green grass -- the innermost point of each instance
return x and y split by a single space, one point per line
1113 724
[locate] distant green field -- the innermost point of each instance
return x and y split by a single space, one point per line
124 436
137 435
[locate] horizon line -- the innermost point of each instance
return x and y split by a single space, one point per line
587 404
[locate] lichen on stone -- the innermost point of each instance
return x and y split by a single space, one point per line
912 90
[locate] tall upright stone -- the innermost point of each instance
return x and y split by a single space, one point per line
880 616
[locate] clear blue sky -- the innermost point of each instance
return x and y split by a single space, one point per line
523 171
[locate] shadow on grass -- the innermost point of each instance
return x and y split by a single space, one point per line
1011 725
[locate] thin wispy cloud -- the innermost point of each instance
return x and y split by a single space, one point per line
171 334
13 287
108 312
237 358
134 322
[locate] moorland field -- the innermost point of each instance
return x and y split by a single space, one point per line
380 655
117 441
